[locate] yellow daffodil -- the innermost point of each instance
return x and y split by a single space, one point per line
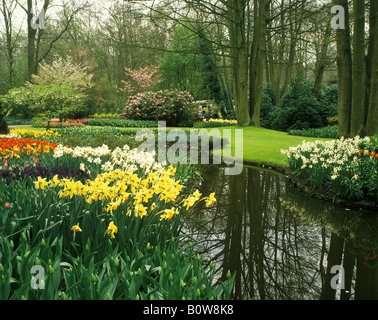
168 214
211 200
140 211
128 189
112 229
189 202
76 228
54 182
41 183
197 194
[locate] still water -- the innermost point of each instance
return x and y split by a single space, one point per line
281 243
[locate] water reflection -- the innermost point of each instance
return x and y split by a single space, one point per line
282 243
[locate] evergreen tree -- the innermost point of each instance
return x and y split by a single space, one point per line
3 124
212 80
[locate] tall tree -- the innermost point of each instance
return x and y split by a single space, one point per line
357 72
344 72
371 126
321 62
211 75
236 16
358 112
36 26
7 9
257 58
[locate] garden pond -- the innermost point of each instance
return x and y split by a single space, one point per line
283 243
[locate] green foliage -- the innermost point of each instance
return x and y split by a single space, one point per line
148 273
190 65
3 123
268 90
121 123
267 107
211 76
52 100
95 137
38 122
299 109
329 99
75 81
16 102
324 132
104 116
181 65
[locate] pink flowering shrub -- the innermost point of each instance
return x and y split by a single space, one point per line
142 80
173 106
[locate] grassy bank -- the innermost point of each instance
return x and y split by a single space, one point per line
263 145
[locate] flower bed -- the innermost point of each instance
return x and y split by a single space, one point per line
67 123
348 167
101 223
209 123
11 148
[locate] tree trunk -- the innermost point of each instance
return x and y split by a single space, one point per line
239 59
321 62
7 14
31 40
344 73
257 58
294 27
358 112
371 127
280 55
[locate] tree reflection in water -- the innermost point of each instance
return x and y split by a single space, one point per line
282 243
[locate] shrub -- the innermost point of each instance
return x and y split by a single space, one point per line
64 72
52 100
123 123
329 100
266 111
95 137
3 124
268 90
324 132
173 106
105 116
37 122
299 109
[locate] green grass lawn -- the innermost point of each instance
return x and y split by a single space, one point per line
259 144
263 145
